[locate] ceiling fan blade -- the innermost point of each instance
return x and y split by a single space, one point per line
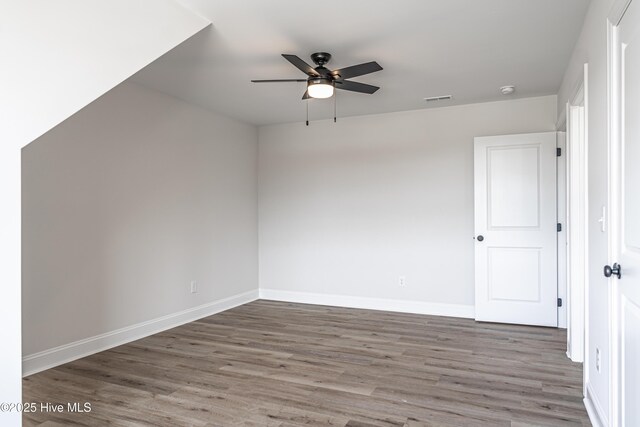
355 86
357 70
306 95
301 65
278 80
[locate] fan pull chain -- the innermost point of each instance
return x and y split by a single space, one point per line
307 112
335 98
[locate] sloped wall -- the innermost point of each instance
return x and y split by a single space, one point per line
59 56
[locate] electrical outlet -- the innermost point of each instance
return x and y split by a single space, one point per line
598 359
194 287
401 281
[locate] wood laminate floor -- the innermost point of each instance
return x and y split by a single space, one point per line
278 364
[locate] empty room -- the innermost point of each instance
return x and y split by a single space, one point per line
366 213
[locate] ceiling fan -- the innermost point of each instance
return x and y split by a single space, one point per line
321 81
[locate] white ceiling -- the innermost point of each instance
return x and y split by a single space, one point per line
466 48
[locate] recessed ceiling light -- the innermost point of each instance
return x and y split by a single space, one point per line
507 90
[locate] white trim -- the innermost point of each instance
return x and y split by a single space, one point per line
37 362
613 117
401 306
614 122
594 409
50 358
561 123
577 217
562 217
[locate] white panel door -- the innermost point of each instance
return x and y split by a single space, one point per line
625 220
515 229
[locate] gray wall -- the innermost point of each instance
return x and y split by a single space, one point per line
347 208
127 202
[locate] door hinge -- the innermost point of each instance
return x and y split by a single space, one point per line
559 302
558 151
559 227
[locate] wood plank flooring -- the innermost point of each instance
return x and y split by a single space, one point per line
279 364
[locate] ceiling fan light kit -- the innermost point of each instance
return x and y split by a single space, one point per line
322 82
320 88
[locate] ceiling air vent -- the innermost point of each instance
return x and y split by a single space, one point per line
438 98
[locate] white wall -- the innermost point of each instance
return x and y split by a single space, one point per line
10 360
592 49
59 56
347 208
127 202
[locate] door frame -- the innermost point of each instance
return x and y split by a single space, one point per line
561 203
614 116
577 220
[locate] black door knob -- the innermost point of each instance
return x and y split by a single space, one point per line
616 270
480 238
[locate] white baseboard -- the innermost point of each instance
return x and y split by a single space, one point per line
402 306
50 358
594 409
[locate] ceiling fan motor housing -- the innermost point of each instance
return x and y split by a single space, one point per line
321 58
